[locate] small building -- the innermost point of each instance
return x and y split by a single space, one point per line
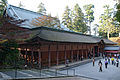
112 50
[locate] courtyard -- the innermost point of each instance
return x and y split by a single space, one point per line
82 72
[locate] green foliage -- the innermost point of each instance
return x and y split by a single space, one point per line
9 52
117 15
78 22
89 14
102 34
107 24
42 9
2 6
67 20
74 19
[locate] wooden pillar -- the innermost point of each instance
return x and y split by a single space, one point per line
39 54
86 54
19 51
26 56
93 52
32 57
49 56
57 57
71 53
77 53
65 53
98 53
82 53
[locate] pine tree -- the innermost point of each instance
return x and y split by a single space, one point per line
117 15
20 5
89 14
107 22
42 9
66 19
78 21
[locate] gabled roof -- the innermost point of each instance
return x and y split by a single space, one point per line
57 35
22 14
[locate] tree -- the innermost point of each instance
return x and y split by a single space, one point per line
117 15
66 19
89 14
95 29
78 21
20 5
42 9
47 21
2 6
8 52
107 24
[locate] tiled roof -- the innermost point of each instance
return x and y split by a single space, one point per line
22 14
112 48
51 34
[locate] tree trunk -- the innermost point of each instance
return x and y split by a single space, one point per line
108 35
90 27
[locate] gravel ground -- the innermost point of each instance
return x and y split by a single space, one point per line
64 78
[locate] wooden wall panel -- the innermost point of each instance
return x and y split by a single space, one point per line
53 58
44 58
53 47
61 57
61 47
44 48
80 46
84 46
75 47
68 47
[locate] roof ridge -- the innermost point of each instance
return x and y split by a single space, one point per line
54 29
25 9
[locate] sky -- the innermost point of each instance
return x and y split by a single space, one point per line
57 7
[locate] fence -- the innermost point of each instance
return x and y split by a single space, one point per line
16 73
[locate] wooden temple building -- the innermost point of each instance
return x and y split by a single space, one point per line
47 46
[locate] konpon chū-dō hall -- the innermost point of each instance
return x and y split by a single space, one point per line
47 46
